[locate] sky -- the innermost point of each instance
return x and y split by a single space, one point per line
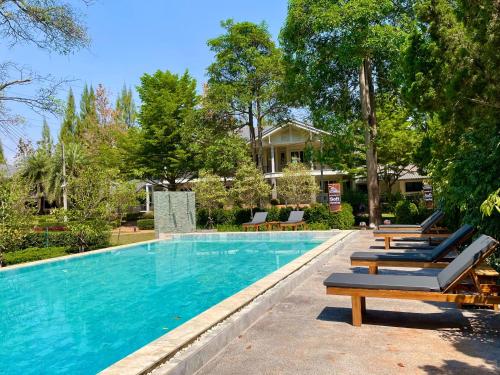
130 38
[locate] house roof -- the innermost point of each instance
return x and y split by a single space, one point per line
295 123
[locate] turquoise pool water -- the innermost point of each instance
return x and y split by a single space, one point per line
80 315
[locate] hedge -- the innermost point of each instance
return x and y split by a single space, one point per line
144 224
62 239
33 253
316 214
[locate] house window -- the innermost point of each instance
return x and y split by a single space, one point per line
414 186
297 156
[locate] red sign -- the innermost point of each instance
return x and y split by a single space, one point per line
334 200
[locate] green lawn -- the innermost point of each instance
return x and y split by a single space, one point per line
126 238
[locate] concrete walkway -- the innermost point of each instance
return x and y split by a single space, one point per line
310 333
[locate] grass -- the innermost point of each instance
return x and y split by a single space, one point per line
127 238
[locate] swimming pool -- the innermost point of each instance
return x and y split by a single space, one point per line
80 315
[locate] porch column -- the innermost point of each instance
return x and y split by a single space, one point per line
273 164
148 200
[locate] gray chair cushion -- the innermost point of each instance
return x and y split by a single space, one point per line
451 242
258 218
468 258
403 232
395 226
431 220
385 282
295 217
399 257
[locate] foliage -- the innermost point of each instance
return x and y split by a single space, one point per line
406 212
65 239
223 154
317 213
451 73
245 79
126 112
210 193
336 54
357 199
297 185
16 217
343 219
51 25
318 226
32 254
68 127
229 228
399 136
492 204
168 105
249 187
146 224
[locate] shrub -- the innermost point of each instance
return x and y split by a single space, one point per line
96 240
144 224
318 226
406 212
33 253
357 199
273 214
343 219
285 213
317 213
229 228
274 202
133 216
148 215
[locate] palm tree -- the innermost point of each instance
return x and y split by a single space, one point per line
75 159
34 171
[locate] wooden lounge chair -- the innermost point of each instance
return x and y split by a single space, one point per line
447 286
428 231
436 214
259 218
295 220
435 258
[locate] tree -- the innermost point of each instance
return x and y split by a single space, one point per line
35 167
16 216
451 74
125 108
123 196
210 193
249 187
168 105
88 122
337 53
399 138
245 79
68 126
297 185
47 24
90 205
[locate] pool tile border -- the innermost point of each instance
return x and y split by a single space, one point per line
154 354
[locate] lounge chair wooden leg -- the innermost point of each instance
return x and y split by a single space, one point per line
363 307
357 316
387 243
373 270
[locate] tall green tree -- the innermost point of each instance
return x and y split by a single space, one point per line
126 110
452 74
168 106
210 193
88 121
69 124
297 185
338 53
246 78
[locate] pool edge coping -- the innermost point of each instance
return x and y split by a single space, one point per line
159 351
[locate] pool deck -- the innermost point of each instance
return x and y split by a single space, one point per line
309 332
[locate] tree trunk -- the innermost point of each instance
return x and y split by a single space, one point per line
367 94
260 153
251 130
